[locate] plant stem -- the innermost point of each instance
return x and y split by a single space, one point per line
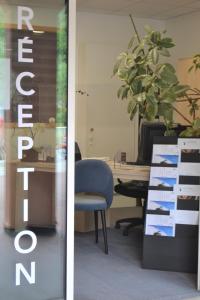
178 112
188 100
135 29
182 100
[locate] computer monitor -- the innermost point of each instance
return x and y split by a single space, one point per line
149 130
147 133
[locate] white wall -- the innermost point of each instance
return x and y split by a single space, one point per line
100 39
185 32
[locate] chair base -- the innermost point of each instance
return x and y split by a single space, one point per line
133 223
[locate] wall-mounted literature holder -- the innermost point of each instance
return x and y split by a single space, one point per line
172 215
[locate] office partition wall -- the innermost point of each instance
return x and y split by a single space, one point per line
34 151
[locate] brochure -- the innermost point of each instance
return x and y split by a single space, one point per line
160 225
165 154
184 190
163 177
161 200
186 217
189 169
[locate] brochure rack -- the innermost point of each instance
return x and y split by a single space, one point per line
171 226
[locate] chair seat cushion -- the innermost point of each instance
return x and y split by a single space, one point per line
89 202
133 188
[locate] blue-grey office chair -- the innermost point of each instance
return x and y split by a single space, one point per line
94 191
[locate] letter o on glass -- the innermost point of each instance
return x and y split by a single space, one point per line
18 237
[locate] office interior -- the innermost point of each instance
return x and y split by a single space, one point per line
104 130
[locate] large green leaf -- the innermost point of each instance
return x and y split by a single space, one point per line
132 74
147 80
130 44
165 110
136 87
129 60
159 68
189 132
165 52
169 68
125 91
155 37
168 74
120 91
180 90
141 97
151 110
167 95
155 56
151 99
133 112
122 73
167 42
131 105
196 124
116 67
120 61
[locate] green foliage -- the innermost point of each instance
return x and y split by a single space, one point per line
62 70
150 85
193 131
195 63
2 34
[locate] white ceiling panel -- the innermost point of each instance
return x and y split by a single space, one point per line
176 13
158 9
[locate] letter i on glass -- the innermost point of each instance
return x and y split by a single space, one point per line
25 210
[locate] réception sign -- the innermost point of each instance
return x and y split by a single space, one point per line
24 143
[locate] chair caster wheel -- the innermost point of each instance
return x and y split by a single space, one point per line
117 226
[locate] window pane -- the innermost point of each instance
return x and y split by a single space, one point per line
33 104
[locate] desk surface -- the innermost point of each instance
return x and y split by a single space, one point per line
123 171
129 172
41 166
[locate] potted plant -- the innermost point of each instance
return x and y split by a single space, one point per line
150 85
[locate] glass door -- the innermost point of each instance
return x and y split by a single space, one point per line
33 143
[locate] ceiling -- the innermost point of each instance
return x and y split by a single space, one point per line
154 9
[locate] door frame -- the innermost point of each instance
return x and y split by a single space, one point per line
70 150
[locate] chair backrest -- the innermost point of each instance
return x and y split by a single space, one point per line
77 152
94 176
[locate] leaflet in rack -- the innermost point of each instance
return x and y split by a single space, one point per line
174 180
165 154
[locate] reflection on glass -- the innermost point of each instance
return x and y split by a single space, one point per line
33 101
